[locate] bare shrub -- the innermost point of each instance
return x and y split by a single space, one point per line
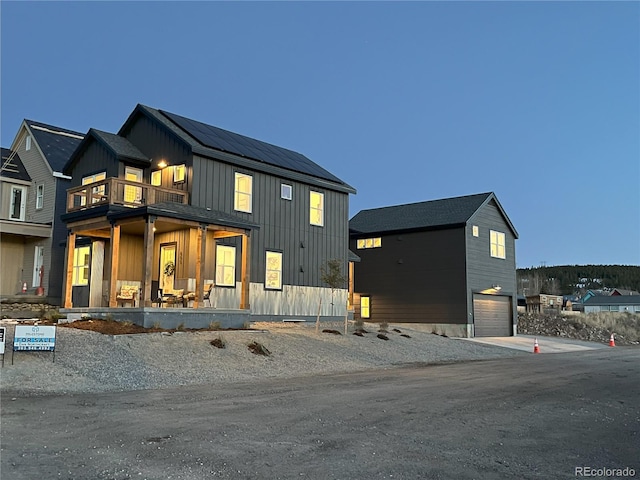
258 349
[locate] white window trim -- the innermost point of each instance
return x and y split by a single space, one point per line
23 202
156 178
313 209
475 231
27 143
220 255
267 270
77 266
495 252
180 173
286 191
40 196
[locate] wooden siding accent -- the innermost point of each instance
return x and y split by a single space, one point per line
113 274
414 277
246 272
68 278
11 259
148 262
483 270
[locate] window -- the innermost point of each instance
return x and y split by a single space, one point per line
497 244
243 193
27 145
225 266
132 194
18 200
316 211
369 243
156 178
614 308
179 173
273 274
97 193
39 196
286 191
476 231
365 307
81 266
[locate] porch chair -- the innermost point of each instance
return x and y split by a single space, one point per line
174 298
208 288
128 294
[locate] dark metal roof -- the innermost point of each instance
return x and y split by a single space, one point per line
57 144
120 146
353 257
433 214
12 166
185 212
613 300
237 144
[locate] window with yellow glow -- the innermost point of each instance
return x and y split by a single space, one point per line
316 211
97 193
365 307
225 266
243 193
476 231
363 243
132 194
81 257
273 274
497 244
179 173
156 178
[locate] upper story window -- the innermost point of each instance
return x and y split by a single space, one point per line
18 202
81 265
156 178
132 194
97 193
27 143
497 244
316 209
40 196
476 231
243 192
273 273
225 266
179 173
286 191
369 243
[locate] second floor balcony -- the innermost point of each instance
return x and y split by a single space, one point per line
117 191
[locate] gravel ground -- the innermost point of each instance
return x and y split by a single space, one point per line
87 361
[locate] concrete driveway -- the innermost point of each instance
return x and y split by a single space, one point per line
546 344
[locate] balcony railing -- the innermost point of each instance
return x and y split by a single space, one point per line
117 191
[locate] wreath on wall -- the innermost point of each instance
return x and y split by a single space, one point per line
169 268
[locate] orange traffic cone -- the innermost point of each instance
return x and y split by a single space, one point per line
536 348
612 342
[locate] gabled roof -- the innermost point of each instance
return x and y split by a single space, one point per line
621 291
12 166
434 214
214 142
613 300
57 144
119 146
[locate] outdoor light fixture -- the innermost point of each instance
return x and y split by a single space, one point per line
497 287
162 164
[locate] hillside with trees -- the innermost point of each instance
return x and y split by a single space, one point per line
577 279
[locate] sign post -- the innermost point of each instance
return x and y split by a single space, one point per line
3 335
29 338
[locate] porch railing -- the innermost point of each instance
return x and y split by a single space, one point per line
117 191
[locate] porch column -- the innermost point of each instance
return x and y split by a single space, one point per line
246 273
68 271
200 260
147 267
115 258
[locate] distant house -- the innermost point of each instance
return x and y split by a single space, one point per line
544 303
174 206
447 263
593 293
621 291
33 198
617 303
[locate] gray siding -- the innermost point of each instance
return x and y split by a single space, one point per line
414 277
284 224
483 271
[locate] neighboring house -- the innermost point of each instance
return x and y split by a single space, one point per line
449 263
33 235
593 293
173 204
621 291
544 303
617 303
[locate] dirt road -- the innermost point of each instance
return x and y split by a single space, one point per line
537 416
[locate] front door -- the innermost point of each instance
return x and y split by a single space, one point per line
167 267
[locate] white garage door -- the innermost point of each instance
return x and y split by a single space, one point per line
492 316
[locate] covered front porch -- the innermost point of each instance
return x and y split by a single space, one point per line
138 262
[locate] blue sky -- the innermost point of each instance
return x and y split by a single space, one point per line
406 101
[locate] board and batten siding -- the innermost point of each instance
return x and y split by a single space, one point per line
414 277
95 159
284 224
12 258
483 270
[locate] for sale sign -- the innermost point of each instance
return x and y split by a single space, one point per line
3 334
34 337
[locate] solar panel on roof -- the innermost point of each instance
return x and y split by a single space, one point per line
223 140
